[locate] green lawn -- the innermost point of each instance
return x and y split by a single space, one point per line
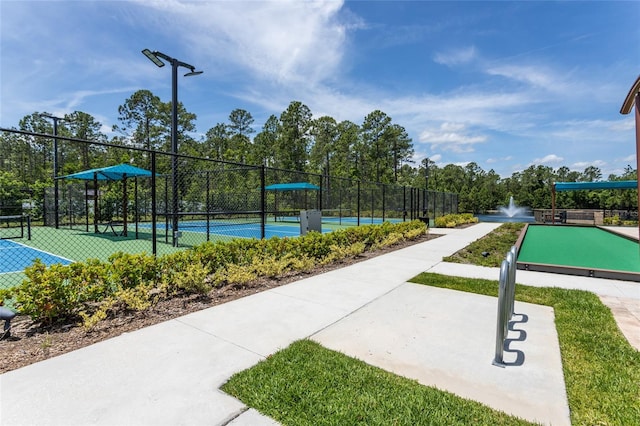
306 384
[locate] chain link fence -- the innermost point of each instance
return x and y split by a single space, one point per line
114 198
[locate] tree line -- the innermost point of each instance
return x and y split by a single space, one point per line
376 150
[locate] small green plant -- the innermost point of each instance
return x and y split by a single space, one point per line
270 266
193 279
303 263
5 294
388 240
46 343
342 252
234 275
47 294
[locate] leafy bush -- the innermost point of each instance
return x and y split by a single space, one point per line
453 220
49 294
339 253
613 220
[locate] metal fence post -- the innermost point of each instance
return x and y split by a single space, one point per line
263 202
154 210
358 202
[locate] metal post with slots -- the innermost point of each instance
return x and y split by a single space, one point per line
310 220
506 299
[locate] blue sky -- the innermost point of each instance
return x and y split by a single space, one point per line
502 84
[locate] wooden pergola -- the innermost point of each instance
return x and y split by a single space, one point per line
633 98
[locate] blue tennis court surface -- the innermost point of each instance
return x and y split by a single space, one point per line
363 220
285 226
15 257
237 230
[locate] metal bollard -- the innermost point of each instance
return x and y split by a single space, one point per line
502 321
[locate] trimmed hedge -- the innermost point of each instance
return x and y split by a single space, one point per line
89 291
453 220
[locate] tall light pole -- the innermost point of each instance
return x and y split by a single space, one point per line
426 185
175 64
55 164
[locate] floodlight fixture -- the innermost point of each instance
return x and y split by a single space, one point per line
193 72
153 57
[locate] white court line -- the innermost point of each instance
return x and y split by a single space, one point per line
24 246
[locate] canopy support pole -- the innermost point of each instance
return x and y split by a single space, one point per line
553 204
96 205
124 204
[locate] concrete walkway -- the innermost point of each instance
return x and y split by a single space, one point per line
170 373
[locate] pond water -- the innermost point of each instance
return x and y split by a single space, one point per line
503 218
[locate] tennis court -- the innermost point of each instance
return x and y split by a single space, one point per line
340 220
579 250
21 244
248 224
15 257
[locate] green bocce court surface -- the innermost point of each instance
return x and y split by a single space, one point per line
579 247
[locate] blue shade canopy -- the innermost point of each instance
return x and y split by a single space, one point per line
117 172
291 186
614 184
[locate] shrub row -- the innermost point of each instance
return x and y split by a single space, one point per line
454 219
91 290
615 220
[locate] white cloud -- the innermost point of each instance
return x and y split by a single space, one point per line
585 164
456 57
548 159
622 125
535 76
497 160
451 137
599 131
283 41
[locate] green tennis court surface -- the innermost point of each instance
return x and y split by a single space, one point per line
587 248
68 245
